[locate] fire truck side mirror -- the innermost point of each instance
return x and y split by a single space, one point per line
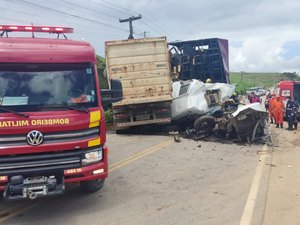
115 94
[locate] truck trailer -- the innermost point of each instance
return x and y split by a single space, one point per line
143 67
200 59
52 128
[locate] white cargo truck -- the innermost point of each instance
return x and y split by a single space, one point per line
143 66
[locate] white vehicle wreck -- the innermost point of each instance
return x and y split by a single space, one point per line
201 110
193 98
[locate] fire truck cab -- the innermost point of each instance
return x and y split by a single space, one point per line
286 89
52 128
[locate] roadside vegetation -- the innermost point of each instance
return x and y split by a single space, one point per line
104 85
246 80
100 68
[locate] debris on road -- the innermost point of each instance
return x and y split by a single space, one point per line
204 111
247 124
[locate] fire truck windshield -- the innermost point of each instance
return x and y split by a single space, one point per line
24 87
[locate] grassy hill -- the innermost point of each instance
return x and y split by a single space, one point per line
246 80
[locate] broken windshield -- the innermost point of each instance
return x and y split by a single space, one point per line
26 86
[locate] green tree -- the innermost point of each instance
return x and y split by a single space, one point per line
290 76
101 65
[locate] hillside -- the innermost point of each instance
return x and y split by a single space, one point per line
246 80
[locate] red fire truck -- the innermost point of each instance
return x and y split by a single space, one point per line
286 89
52 128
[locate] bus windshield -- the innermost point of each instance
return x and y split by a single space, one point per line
24 86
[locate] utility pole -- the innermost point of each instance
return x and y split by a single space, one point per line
130 19
242 76
144 34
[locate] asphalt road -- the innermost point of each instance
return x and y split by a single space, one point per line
154 180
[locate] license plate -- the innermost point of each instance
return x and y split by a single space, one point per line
142 117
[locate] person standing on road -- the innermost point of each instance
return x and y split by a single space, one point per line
278 111
289 113
267 102
291 110
271 108
296 109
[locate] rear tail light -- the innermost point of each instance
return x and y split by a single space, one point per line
3 179
161 110
121 115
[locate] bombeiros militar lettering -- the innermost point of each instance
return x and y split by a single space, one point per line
41 122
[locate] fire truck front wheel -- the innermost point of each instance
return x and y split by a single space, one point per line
92 185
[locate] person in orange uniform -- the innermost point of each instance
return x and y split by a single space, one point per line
278 109
271 107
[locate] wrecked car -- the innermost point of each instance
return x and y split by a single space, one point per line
249 122
202 109
193 98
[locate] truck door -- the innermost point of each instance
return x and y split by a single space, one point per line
297 92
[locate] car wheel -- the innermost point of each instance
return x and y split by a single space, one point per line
205 123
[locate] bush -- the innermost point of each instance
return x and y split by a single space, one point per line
108 117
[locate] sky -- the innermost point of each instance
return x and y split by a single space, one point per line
263 35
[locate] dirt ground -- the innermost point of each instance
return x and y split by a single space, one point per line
283 198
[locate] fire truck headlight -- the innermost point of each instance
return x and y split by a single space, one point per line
92 157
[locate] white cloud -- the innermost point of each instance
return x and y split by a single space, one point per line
258 31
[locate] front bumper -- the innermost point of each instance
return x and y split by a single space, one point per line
91 172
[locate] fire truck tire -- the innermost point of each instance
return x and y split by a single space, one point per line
205 123
92 185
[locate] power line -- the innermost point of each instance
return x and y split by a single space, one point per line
80 6
89 9
30 14
71 15
14 19
92 33
92 30
51 18
114 9
97 3
153 25
128 10
125 10
158 27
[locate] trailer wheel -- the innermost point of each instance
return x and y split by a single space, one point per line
92 185
205 123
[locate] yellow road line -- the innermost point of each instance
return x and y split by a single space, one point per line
253 193
24 207
16 211
138 155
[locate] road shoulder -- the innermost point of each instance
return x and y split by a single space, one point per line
283 198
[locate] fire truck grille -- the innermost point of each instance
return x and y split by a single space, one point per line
37 163
56 137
